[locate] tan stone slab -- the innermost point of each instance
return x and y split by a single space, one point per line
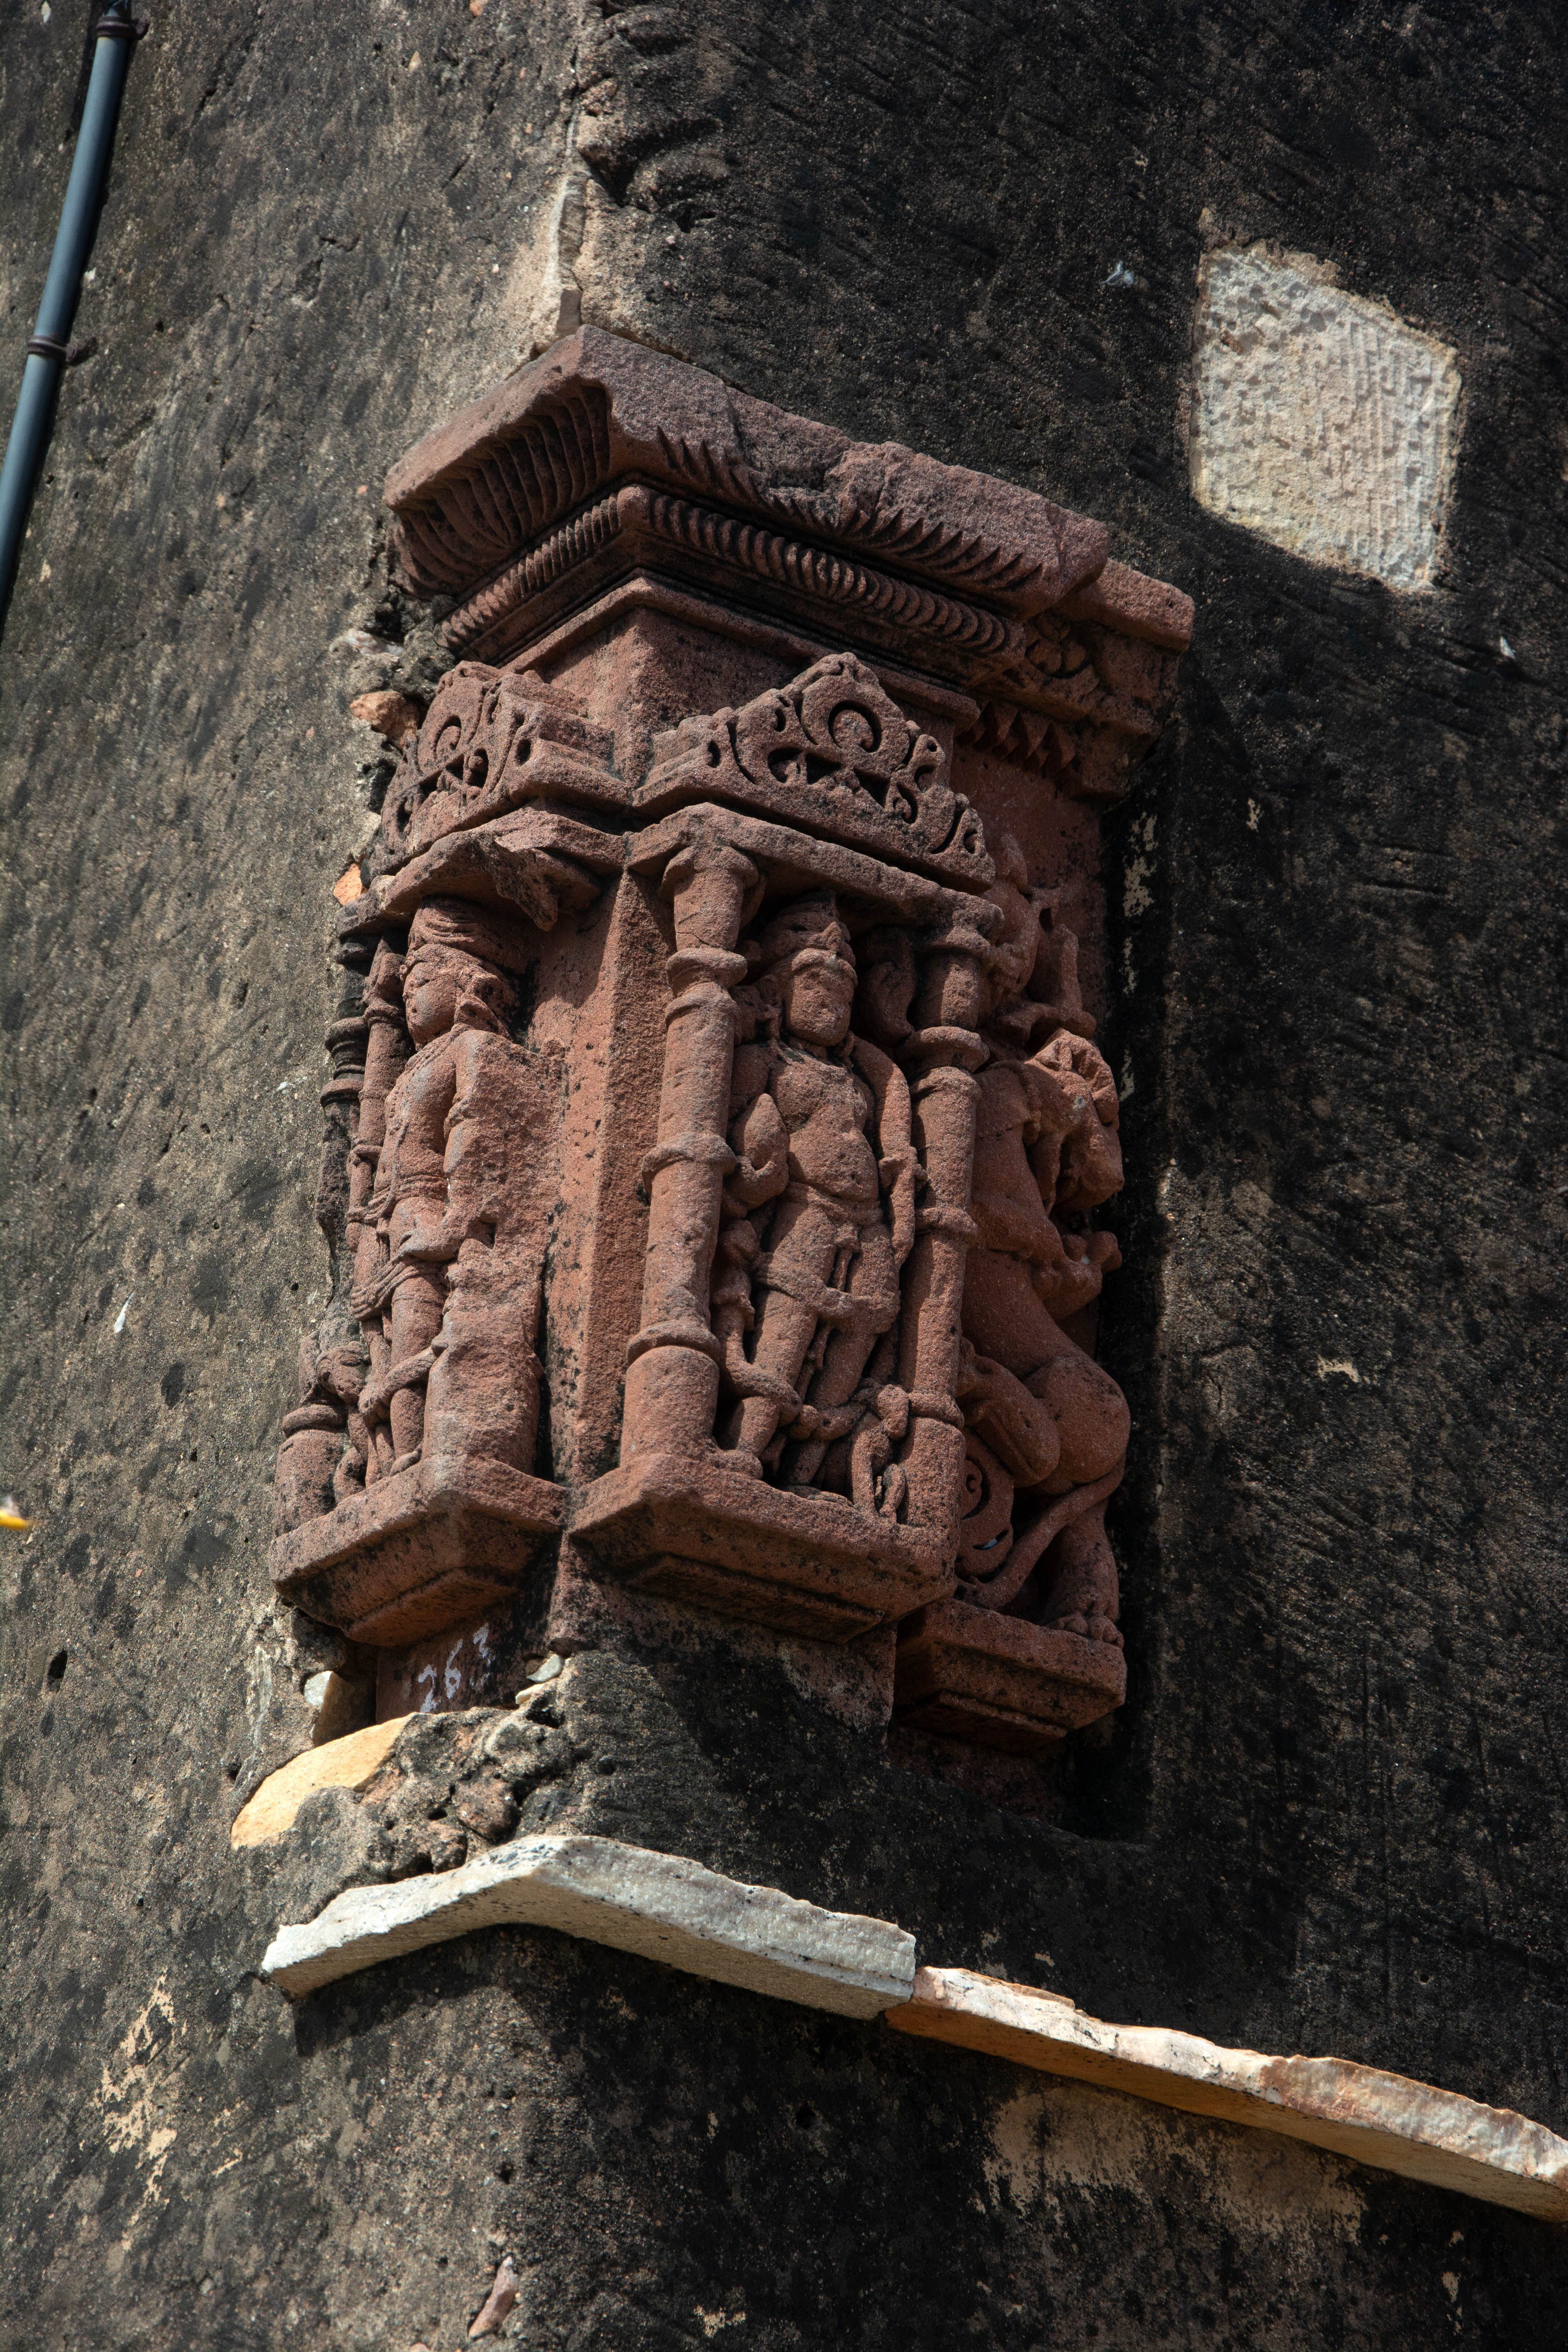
1360 2112
350 1762
1320 419
661 1906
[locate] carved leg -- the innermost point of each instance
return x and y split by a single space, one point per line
1005 1320
1083 1593
805 1247
1004 1317
1088 1410
874 1281
378 1431
302 1484
415 1317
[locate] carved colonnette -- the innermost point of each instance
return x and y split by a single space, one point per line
820 1175
407 1498
716 1118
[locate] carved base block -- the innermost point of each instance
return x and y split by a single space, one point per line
691 1531
420 1552
971 1674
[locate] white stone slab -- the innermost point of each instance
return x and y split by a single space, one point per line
1356 2111
1320 419
667 1908
657 1905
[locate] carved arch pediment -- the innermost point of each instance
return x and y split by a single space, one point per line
833 754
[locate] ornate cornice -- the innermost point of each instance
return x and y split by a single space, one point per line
605 460
638 524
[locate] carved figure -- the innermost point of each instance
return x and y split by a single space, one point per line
450 1239
1046 1421
818 1221
775 1417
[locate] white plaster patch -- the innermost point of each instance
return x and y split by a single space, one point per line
544 290
1322 420
130 2101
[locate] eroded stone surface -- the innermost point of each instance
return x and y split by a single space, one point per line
1318 417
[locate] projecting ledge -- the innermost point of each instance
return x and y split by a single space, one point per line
665 1907
1384 2120
659 1905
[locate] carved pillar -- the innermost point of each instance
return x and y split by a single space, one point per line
386 1051
672 1364
942 1053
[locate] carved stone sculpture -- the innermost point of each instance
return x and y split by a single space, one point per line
715 1121
450 1242
848 1291
819 1214
1047 1428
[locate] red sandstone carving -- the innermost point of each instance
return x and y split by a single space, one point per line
596 410
687 1513
712 1135
435 1504
819 1220
834 754
491 741
1047 1429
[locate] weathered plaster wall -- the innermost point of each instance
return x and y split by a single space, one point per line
1331 1816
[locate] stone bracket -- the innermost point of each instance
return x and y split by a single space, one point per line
692 1529
418 1551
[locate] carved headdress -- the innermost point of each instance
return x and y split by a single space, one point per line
809 929
482 948
468 934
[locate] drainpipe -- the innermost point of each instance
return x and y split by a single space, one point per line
48 348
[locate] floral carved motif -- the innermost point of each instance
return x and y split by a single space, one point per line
832 752
491 741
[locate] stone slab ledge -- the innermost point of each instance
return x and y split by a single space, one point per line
667 1908
659 1905
1360 2112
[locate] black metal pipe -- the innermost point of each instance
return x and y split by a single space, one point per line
48 346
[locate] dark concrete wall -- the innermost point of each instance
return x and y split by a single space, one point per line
1331 1815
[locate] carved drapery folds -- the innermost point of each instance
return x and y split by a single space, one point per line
716 1124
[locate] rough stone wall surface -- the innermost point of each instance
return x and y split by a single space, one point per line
1331 1816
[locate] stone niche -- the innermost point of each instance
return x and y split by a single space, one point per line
716 1129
